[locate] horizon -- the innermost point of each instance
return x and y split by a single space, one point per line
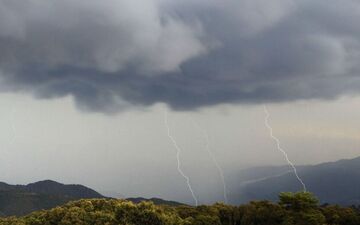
112 194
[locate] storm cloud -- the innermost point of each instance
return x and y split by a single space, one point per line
114 54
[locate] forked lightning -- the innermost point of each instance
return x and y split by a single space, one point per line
213 158
280 149
178 152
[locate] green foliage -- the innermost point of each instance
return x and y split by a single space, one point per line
302 208
293 209
298 201
262 213
341 216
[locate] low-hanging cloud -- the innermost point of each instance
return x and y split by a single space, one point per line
113 54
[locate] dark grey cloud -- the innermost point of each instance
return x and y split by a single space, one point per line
113 54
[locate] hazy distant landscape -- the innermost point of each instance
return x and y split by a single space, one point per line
330 182
333 182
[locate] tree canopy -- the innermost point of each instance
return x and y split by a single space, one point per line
300 208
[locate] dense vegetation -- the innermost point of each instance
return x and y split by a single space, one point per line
292 209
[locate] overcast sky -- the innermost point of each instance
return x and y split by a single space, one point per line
85 84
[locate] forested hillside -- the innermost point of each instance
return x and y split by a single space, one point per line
291 209
24 199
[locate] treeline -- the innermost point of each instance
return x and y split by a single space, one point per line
292 209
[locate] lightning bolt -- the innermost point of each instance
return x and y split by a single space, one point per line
178 152
280 149
213 158
243 183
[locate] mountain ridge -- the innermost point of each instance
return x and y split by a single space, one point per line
335 182
23 199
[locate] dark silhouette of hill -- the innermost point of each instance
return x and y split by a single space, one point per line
23 199
333 182
50 187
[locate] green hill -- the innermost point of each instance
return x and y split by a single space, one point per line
292 209
23 199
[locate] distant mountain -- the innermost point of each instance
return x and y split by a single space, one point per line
334 182
50 187
156 201
23 199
